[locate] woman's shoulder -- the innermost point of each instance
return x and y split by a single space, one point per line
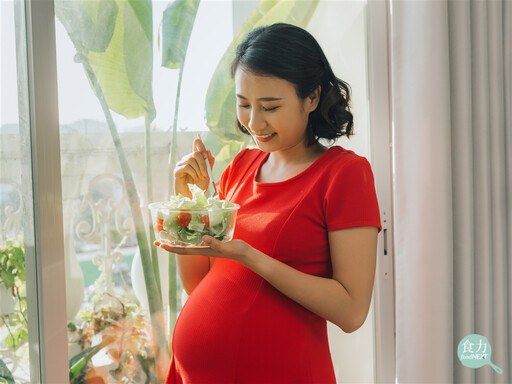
242 163
340 159
251 153
247 156
341 167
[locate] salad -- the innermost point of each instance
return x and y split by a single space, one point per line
182 221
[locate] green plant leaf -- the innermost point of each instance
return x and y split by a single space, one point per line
18 337
12 263
79 361
5 374
177 23
143 12
7 278
90 24
72 327
220 98
138 51
122 58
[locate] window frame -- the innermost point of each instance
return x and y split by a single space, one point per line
44 251
379 78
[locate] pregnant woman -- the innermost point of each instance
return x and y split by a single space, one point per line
304 247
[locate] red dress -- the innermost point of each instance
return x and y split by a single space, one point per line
237 328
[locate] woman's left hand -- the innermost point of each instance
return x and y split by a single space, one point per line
234 249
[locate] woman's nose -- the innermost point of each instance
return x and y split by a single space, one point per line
256 122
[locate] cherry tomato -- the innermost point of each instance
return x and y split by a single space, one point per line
184 219
205 219
159 226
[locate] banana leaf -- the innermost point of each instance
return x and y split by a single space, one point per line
115 37
138 53
177 23
90 27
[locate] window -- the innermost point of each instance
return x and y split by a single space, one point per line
133 91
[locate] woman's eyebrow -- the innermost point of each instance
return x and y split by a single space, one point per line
261 98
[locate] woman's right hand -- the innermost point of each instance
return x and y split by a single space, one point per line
191 169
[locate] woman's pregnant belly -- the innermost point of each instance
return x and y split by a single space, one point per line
207 333
235 327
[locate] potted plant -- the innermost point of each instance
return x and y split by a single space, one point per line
116 332
13 301
13 298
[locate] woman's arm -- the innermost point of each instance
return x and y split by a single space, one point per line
343 300
192 269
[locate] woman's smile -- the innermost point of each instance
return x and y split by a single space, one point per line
263 138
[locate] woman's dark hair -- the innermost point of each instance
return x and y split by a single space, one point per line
291 53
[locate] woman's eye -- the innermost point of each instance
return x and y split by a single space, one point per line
270 109
243 106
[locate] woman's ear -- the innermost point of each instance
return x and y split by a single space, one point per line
313 99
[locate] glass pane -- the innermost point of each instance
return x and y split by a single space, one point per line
15 200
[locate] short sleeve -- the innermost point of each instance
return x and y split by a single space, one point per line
351 199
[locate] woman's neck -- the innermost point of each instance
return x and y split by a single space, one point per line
283 165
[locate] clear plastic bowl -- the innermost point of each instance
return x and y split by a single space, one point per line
186 227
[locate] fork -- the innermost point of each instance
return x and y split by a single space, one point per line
209 170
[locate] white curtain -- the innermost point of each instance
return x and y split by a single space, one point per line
451 72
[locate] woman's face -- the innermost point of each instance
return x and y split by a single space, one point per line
271 111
